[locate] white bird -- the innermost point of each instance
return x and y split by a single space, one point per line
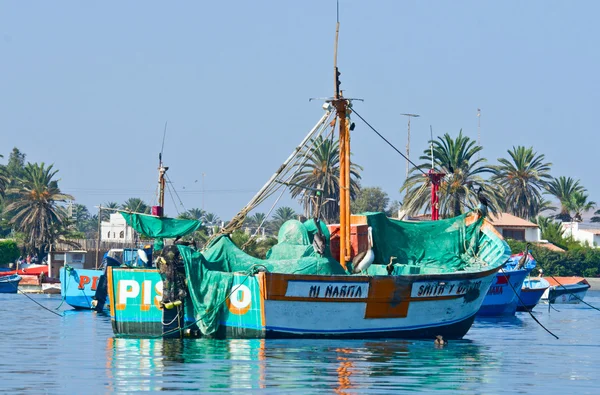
362 261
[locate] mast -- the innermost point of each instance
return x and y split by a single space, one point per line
159 210
436 179
341 106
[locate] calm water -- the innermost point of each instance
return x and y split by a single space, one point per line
78 354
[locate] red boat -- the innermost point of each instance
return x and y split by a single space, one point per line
32 270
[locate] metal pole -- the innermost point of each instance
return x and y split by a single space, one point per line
408 141
98 240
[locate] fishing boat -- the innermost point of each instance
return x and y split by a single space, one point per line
9 284
503 296
565 290
391 279
531 293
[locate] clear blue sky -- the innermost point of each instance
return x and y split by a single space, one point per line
88 87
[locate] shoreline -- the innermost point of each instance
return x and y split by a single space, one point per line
594 283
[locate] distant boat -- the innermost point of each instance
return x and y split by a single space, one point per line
31 269
531 293
565 290
9 284
503 296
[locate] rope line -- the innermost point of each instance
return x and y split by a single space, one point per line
390 144
34 301
526 309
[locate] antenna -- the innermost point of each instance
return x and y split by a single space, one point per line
408 140
431 144
336 73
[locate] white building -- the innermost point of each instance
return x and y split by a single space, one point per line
116 230
512 227
584 233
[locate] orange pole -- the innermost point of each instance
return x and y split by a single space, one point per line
341 107
347 191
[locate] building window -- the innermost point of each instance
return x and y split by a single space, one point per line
515 234
108 235
121 234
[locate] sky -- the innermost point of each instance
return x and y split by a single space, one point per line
88 86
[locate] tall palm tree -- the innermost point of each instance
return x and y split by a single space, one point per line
596 217
321 170
456 158
34 205
524 178
211 219
578 204
136 205
196 213
106 213
4 180
257 219
562 188
282 214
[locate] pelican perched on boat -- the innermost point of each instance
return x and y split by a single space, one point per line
363 260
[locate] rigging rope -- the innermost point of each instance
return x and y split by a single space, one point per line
175 191
34 301
520 300
387 141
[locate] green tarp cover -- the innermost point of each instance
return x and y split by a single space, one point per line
157 227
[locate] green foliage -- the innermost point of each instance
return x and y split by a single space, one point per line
257 247
577 261
9 251
578 204
523 178
136 205
562 188
596 217
372 199
282 214
458 159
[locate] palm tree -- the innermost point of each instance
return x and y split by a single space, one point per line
321 171
211 219
456 158
578 204
550 230
196 213
136 205
523 177
257 220
562 188
282 214
4 180
106 213
34 205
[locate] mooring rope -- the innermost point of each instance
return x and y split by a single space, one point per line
526 309
34 301
572 294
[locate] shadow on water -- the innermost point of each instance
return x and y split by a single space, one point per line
309 365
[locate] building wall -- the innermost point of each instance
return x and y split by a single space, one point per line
116 229
531 234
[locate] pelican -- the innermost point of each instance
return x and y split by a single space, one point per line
363 260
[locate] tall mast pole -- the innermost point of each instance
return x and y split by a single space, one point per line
341 106
161 186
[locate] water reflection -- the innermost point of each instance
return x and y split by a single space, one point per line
342 366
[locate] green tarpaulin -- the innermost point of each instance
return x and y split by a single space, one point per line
160 227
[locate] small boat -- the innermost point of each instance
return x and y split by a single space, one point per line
565 290
531 293
9 284
79 287
503 296
30 269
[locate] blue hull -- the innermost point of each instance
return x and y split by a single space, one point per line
501 299
78 287
531 293
9 284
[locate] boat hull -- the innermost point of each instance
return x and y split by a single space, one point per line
531 293
9 284
270 305
502 297
78 287
570 295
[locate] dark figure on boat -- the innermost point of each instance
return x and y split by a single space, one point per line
172 270
483 202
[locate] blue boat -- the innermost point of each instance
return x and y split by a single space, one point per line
531 293
78 286
81 288
9 284
503 296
